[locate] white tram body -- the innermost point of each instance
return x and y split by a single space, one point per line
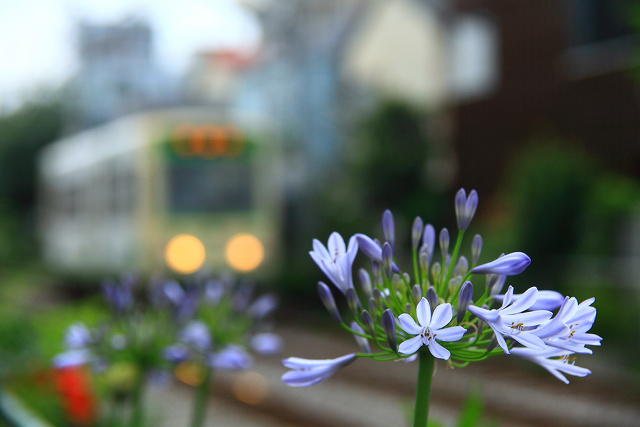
113 197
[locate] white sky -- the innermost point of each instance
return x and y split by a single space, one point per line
37 36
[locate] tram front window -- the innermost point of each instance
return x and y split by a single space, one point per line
213 186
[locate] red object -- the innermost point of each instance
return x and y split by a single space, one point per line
76 391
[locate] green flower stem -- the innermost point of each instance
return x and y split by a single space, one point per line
202 394
137 415
423 391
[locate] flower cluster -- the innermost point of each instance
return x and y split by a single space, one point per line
208 324
402 316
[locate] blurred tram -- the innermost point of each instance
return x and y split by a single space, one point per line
181 189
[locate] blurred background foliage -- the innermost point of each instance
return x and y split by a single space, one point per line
22 134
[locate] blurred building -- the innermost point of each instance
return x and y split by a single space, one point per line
117 75
564 72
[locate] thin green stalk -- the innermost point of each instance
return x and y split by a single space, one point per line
423 391
137 415
202 393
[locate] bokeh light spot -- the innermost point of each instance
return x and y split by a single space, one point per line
250 387
244 252
185 253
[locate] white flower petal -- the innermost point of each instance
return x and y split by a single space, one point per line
453 333
442 315
423 311
411 345
409 325
439 351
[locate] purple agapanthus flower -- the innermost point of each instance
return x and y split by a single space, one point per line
429 329
553 360
568 330
230 358
336 259
307 372
512 320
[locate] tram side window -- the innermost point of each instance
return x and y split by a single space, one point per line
208 187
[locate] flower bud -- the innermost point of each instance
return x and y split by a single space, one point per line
436 269
462 267
495 283
389 229
353 302
362 342
416 291
373 305
509 265
365 281
416 232
429 237
465 208
389 325
368 322
444 241
376 270
387 259
378 297
432 297
466 293
423 259
476 248
327 299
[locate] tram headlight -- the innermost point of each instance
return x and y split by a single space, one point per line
185 253
244 252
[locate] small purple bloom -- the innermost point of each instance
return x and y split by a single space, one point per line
74 357
176 353
509 265
230 358
263 306
306 372
197 334
77 336
336 259
465 208
267 343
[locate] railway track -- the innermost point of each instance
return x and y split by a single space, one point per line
380 394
